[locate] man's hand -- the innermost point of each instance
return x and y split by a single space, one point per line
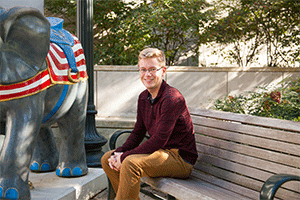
115 161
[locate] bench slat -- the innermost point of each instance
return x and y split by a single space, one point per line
231 166
266 166
273 145
264 154
273 134
192 189
245 181
240 189
241 169
247 119
225 184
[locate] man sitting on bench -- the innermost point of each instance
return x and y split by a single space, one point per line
163 114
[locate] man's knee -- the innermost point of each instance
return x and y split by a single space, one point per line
128 161
131 163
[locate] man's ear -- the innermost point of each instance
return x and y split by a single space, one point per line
26 32
164 70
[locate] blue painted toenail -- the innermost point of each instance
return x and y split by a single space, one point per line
11 193
45 167
66 172
77 171
34 166
58 172
1 192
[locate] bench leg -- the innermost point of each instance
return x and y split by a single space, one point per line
170 197
148 193
111 193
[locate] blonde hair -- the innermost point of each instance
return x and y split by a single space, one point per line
153 53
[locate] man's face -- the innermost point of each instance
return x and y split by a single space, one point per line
152 78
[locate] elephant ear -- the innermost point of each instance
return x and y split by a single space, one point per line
25 34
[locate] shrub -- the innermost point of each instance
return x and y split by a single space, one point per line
281 103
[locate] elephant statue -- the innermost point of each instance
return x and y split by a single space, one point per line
42 82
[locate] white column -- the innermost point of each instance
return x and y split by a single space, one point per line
38 4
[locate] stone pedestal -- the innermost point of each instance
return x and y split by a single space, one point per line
48 186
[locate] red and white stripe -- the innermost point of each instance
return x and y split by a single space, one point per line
32 86
58 63
57 73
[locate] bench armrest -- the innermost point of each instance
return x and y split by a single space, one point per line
273 183
113 140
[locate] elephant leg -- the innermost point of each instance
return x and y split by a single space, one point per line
23 119
72 157
2 128
45 154
2 132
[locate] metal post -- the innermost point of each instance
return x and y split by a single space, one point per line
93 141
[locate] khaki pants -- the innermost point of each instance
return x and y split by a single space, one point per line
162 163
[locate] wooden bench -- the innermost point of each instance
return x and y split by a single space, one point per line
237 156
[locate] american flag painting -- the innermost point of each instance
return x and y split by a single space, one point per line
57 73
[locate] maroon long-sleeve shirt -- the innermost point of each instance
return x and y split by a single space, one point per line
168 123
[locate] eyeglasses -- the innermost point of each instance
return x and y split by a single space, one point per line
151 70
